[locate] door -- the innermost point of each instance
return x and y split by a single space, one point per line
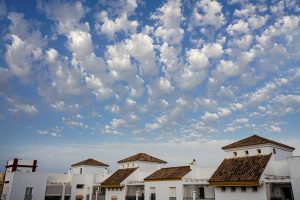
201 193
287 192
114 198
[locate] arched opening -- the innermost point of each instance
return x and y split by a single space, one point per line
114 198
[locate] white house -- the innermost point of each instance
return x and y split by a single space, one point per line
22 182
256 168
82 181
128 181
178 183
86 178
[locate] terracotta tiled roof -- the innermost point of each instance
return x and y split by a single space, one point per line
91 162
255 140
171 173
116 178
240 170
142 157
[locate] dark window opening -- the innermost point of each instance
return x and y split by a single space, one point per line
247 153
223 189
259 151
232 189
80 170
254 189
235 153
152 196
201 193
274 151
79 186
244 189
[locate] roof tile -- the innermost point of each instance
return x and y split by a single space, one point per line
117 178
241 169
142 157
254 140
171 173
91 162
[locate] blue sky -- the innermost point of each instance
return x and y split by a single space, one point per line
90 78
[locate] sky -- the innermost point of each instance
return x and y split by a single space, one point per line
177 79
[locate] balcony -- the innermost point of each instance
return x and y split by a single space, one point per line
134 198
191 198
28 197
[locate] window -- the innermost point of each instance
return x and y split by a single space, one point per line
152 193
234 153
28 191
223 189
172 193
259 151
254 189
247 152
79 186
274 151
232 189
243 189
80 171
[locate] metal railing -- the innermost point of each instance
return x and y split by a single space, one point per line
28 197
134 198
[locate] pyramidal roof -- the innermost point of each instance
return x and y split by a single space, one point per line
90 162
170 173
142 157
242 170
255 140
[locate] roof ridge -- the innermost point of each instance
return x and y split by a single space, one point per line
174 167
91 162
254 140
142 157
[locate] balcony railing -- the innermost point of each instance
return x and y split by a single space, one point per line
197 198
134 198
195 180
28 197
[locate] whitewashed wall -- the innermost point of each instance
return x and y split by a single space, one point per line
294 163
21 180
120 194
238 194
162 189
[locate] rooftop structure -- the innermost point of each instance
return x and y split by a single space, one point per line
142 157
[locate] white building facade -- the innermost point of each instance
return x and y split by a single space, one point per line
253 168
256 168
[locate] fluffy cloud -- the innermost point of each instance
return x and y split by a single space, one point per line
208 13
170 16
141 48
111 27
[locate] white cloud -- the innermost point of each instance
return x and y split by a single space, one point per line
208 13
209 117
224 112
197 59
111 27
257 22
141 48
80 43
212 50
66 21
188 79
170 16
28 109
241 27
